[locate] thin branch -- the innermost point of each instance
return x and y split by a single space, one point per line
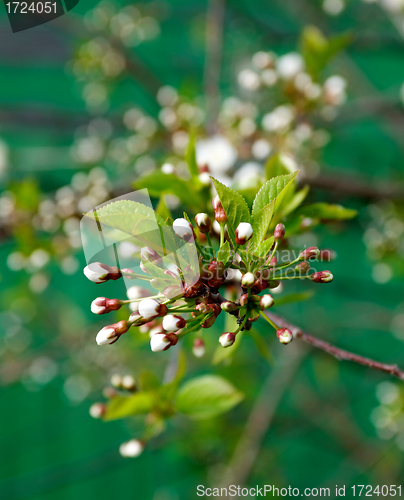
338 353
260 418
213 61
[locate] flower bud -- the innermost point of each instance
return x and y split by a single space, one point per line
116 380
128 383
102 305
244 232
203 222
284 335
279 232
220 214
209 322
244 299
322 277
131 449
100 273
97 410
274 261
253 314
327 255
302 267
135 318
183 229
228 306
162 342
173 323
198 348
266 301
150 255
247 280
127 271
309 253
150 308
227 339
110 334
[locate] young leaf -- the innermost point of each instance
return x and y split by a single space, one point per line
139 403
235 207
190 157
158 183
296 200
207 396
265 246
224 252
275 167
270 190
260 224
325 211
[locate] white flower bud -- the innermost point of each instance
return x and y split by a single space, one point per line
248 280
198 348
131 449
149 308
106 335
135 316
244 232
159 342
227 339
204 179
128 382
182 228
137 292
95 272
284 335
266 301
172 323
98 305
116 380
97 410
289 65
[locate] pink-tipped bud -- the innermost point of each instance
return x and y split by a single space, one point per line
284 335
198 348
244 232
150 309
302 267
102 305
266 301
203 222
110 334
127 271
98 410
327 255
247 280
227 339
183 229
309 253
173 323
220 214
150 255
228 306
162 342
322 277
100 273
279 232
244 299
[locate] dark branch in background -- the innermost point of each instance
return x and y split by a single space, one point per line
338 353
350 185
213 60
260 418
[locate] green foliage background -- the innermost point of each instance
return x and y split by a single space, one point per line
321 432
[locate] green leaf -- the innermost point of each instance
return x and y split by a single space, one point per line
124 215
294 297
272 189
265 246
261 345
276 165
224 252
235 207
139 403
260 224
296 200
190 157
162 210
325 211
157 183
207 396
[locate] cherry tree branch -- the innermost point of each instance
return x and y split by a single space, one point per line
338 353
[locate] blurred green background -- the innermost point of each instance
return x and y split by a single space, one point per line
322 432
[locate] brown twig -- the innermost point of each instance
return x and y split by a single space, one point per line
338 353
